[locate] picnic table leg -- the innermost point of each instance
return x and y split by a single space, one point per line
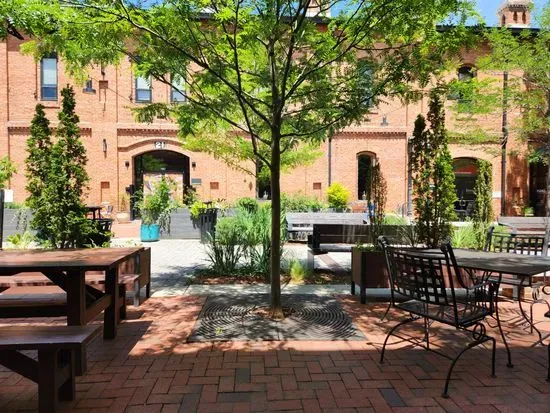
67 390
112 311
47 391
76 310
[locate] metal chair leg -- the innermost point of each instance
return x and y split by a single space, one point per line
395 327
510 365
445 394
386 313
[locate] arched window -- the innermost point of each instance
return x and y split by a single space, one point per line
503 20
466 171
515 17
365 162
524 18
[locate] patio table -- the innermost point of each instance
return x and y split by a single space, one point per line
523 266
67 269
93 210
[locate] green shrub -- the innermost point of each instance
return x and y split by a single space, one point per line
7 169
196 208
394 219
243 239
20 241
224 250
298 273
156 207
247 203
301 203
465 237
14 205
190 196
338 196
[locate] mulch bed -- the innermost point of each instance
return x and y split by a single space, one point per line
319 277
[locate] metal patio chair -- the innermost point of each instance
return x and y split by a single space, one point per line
426 280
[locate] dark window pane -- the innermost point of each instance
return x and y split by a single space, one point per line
143 95
49 93
177 96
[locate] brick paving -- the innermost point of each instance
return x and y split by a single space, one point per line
149 367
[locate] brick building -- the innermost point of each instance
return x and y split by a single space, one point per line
122 152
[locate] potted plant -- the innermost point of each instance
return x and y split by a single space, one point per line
528 211
368 263
123 215
155 210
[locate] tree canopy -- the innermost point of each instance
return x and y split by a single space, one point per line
261 78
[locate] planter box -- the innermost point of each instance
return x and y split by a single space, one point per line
150 233
368 270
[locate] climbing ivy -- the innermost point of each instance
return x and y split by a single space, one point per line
483 205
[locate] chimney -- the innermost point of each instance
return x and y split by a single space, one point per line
314 9
515 13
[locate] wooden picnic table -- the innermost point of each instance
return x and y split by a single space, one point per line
94 209
67 268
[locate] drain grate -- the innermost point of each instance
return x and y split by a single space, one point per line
312 318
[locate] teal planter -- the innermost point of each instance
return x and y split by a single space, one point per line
150 233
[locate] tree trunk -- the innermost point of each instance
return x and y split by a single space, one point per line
276 308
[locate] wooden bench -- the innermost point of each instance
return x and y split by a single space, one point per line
55 369
134 282
341 238
42 301
300 224
520 225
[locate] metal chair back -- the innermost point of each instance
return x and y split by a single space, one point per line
527 244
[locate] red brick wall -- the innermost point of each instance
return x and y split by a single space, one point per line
107 115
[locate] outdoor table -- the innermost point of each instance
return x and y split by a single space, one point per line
498 263
67 268
94 209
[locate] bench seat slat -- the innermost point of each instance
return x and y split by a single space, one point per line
46 337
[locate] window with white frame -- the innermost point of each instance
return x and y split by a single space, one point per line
178 89
143 89
48 77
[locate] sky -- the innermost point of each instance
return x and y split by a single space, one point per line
488 9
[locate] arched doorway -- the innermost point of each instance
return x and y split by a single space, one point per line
151 166
465 170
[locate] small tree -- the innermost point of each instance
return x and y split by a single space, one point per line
483 204
39 147
7 169
376 195
59 214
433 182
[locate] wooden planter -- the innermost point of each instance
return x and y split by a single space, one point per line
368 270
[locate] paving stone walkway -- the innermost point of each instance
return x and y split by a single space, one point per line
173 263
151 368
